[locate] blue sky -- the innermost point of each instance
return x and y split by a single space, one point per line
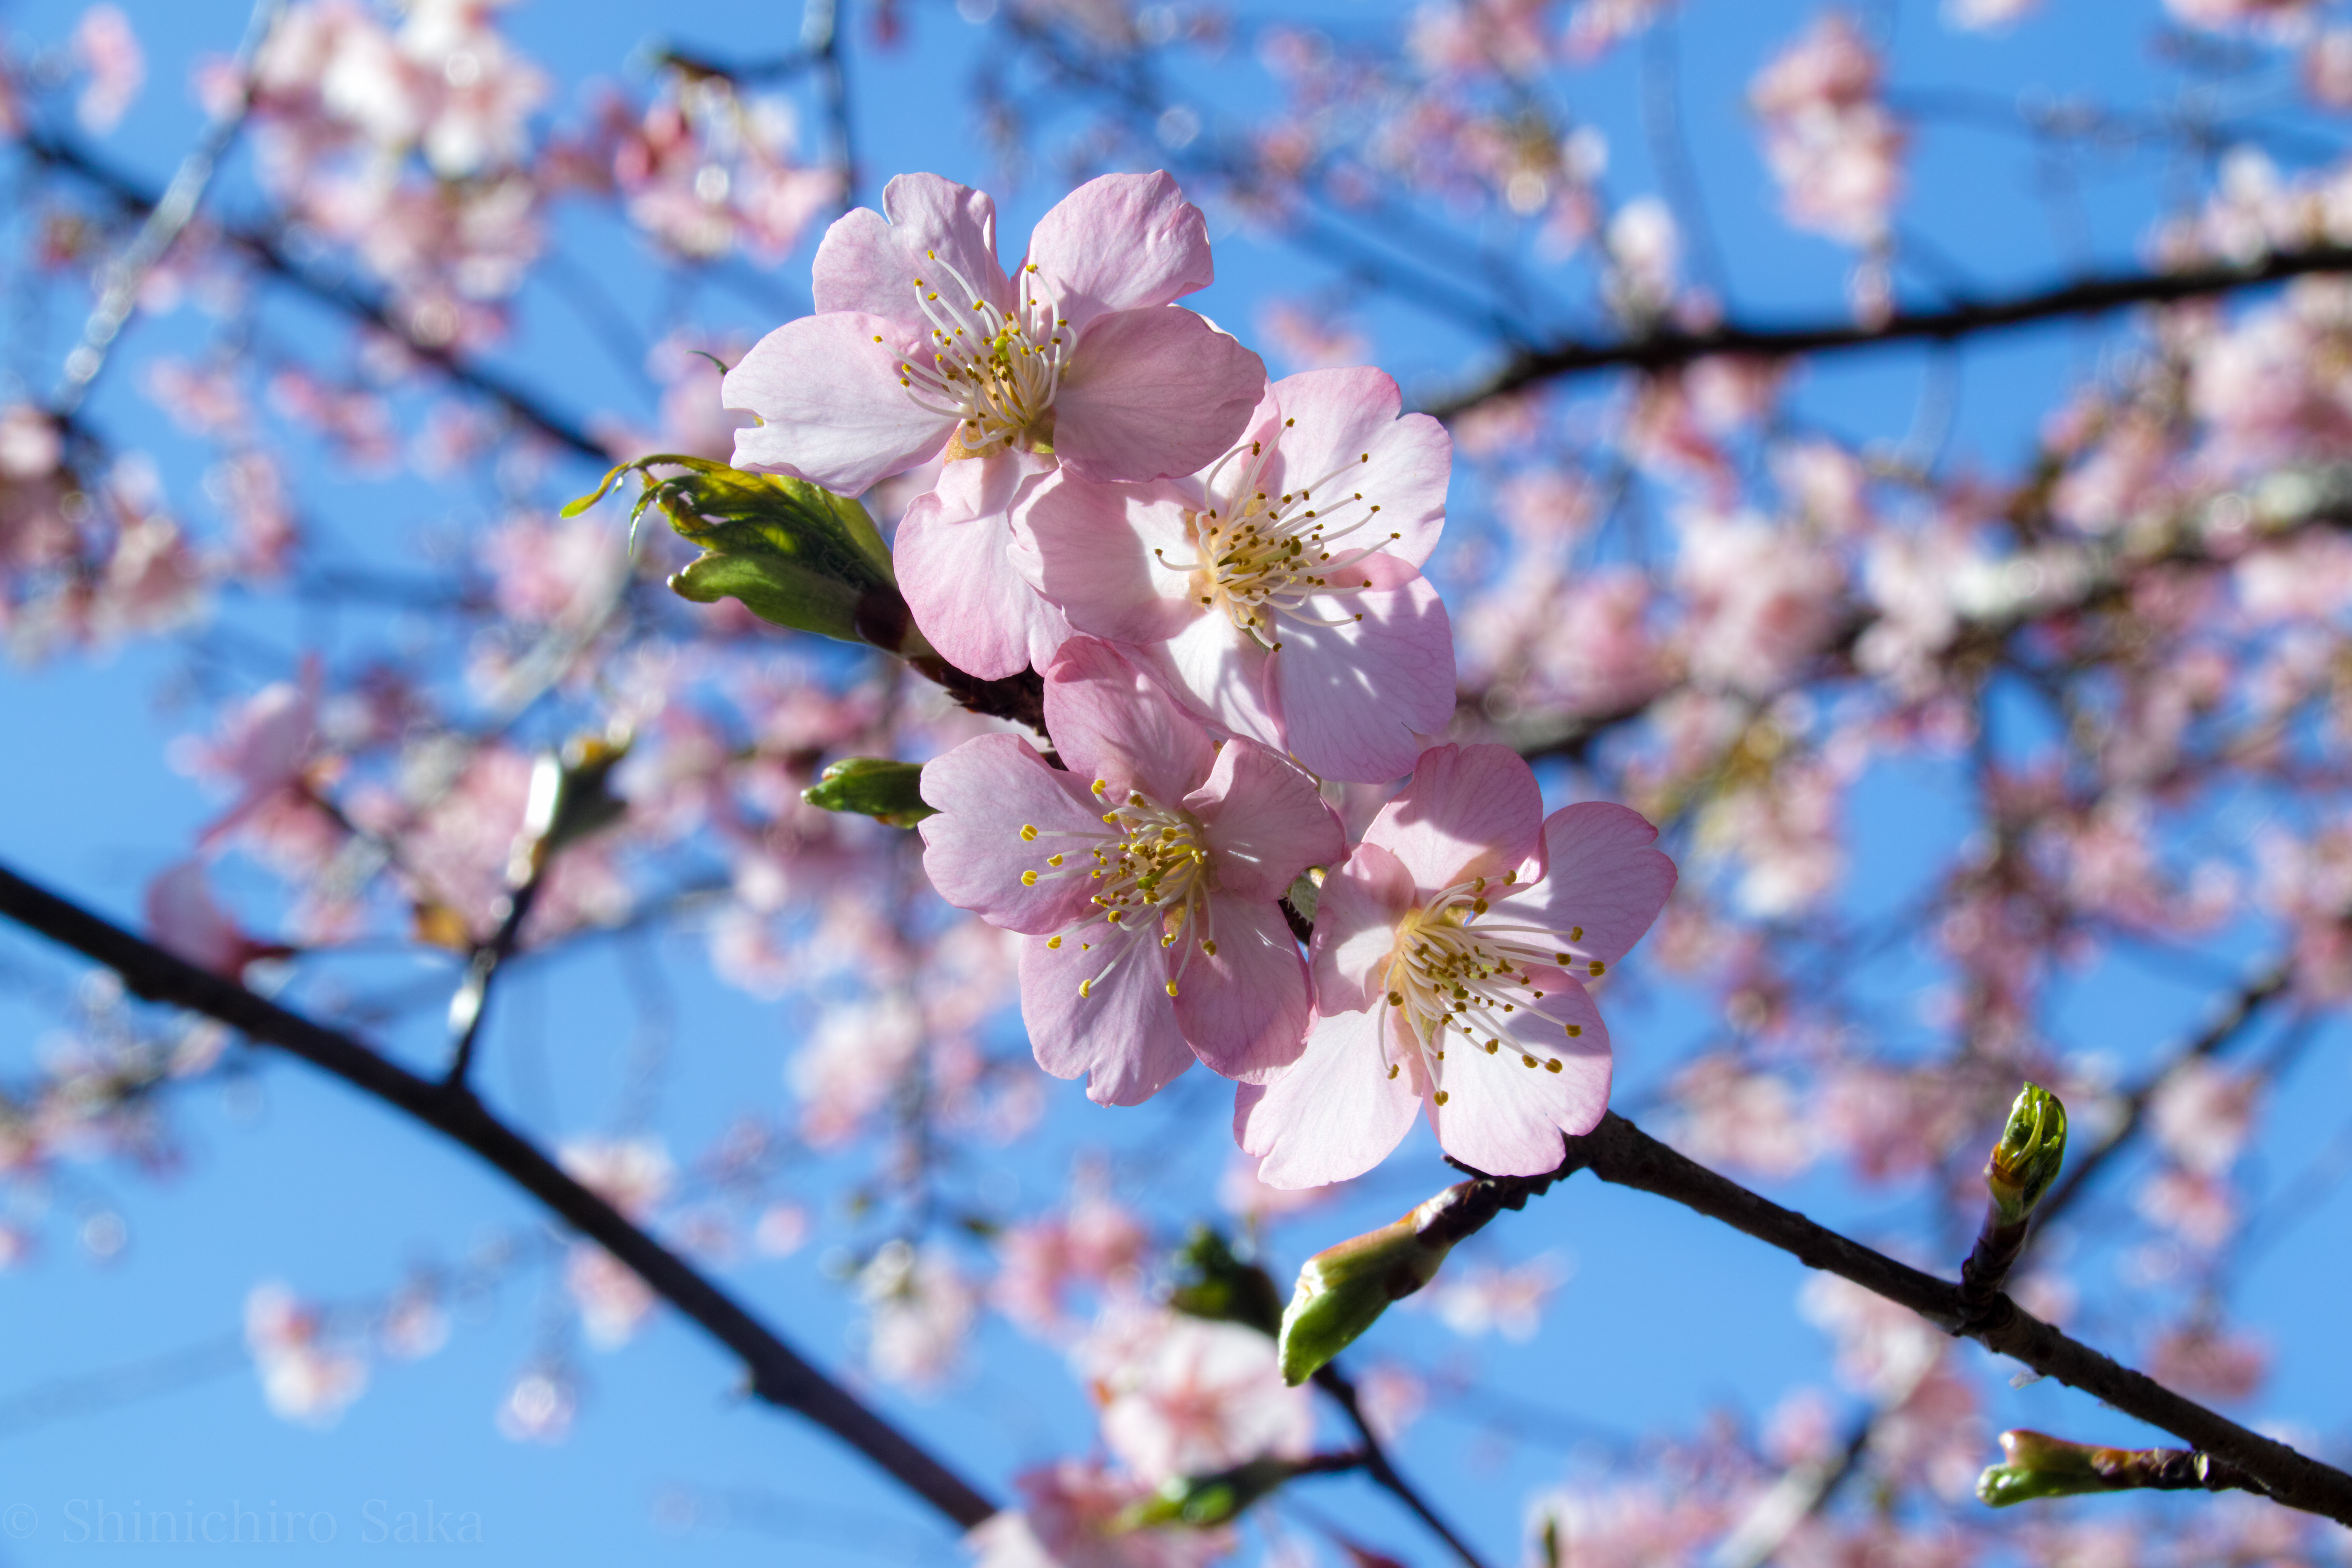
1666 1317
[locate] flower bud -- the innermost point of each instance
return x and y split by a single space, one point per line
795 553
877 787
2026 1159
1217 1285
1344 1289
1203 1502
2039 1465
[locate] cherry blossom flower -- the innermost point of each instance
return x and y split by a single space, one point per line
613 1300
1762 601
184 919
303 1377
636 1175
922 1308
1184 1396
1097 1243
1069 1520
1835 148
105 45
922 345
1464 913
1154 930
540 1407
1278 591
1479 1299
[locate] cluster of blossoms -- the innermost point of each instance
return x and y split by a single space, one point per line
1219 579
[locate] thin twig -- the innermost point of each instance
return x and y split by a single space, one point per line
2091 296
1623 1155
1335 1383
166 219
2234 1017
133 195
778 1376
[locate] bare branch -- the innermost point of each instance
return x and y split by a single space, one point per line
1375 1458
133 197
778 1376
2092 296
1623 1155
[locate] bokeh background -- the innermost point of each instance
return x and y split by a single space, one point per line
125 1375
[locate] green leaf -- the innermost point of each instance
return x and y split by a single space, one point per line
1216 1284
795 553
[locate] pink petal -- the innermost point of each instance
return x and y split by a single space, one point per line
869 263
986 792
1337 1112
1506 1117
833 406
1152 393
1356 926
1470 811
1606 875
953 555
1342 431
1244 1011
1122 1036
183 919
1091 553
1220 672
1265 821
1121 242
1110 723
1355 699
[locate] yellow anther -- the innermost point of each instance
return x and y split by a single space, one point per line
1052 860
1576 1031
1528 1060
1172 989
1552 1064
1028 834
1210 948
1086 989
1054 942
1101 785
1028 879
1442 1095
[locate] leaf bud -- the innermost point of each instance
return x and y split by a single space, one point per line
1203 1502
890 791
2039 1465
1216 1284
795 553
2032 1148
1343 1289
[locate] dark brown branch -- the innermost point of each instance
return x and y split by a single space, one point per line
134 197
1375 1457
2090 296
1623 1155
778 1376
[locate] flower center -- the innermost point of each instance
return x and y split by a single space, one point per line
995 374
1151 878
1261 560
1451 973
